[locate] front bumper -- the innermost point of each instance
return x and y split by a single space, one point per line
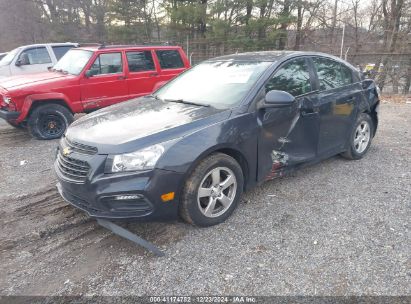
99 194
9 115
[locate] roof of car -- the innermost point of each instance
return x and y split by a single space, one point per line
266 55
125 47
51 44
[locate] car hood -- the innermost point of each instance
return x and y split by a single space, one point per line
18 81
141 122
4 71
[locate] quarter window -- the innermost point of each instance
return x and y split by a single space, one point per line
169 59
332 74
110 63
140 61
61 50
38 55
293 77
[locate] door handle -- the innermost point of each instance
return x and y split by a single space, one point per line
121 77
154 74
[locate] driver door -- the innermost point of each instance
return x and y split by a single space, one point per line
105 83
288 136
31 60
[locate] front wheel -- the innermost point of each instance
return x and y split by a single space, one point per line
49 121
212 191
361 137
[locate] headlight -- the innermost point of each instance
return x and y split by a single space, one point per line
143 159
7 100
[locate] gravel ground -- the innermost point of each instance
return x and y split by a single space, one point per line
337 228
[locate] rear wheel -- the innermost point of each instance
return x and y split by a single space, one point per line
212 191
360 139
49 121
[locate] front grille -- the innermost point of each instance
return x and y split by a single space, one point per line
80 148
72 169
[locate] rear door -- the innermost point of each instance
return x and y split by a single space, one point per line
142 72
31 60
171 64
106 81
289 135
337 99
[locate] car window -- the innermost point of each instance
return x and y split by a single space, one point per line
38 55
61 50
169 59
207 82
331 74
110 63
346 75
140 61
293 77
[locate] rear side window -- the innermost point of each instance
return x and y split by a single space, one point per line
332 74
139 61
110 63
38 55
293 77
61 50
170 59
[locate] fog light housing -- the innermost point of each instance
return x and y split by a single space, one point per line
126 203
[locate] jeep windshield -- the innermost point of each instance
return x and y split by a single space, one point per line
220 84
73 62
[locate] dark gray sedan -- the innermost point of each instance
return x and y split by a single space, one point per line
222 127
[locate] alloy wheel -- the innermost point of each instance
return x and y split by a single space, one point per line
217 192
362 137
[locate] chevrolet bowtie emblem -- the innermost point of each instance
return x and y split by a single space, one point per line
66 151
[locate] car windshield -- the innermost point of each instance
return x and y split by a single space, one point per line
221 84
73 62
6 60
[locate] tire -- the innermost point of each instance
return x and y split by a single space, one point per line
360 138
49 121
211 171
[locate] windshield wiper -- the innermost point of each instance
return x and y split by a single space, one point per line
153 96
187 102
59 70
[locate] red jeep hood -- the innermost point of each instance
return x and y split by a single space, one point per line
13 82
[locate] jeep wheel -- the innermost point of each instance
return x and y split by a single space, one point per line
212 191
49 121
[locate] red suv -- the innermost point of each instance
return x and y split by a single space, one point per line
86 79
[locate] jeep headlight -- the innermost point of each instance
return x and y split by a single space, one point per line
143 159
7 100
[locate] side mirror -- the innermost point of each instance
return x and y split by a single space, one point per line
89 74
23 60
278 99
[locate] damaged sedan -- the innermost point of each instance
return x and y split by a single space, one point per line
190 150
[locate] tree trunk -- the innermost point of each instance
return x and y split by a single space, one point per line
298 32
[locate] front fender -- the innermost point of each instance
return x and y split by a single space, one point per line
44 97
236 134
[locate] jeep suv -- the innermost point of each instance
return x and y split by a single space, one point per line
86 79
